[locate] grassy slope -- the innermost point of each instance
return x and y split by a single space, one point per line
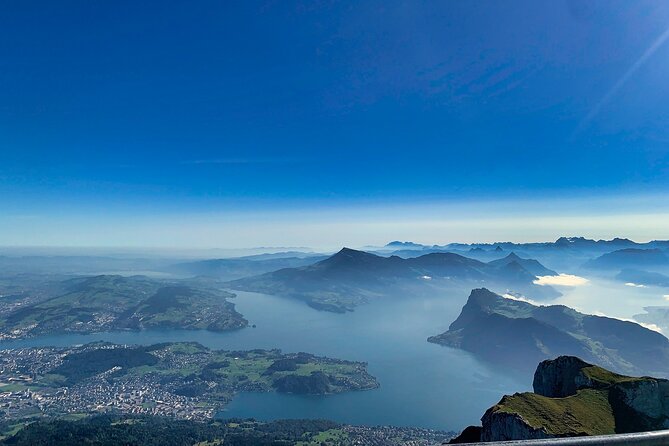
588 412
607 377
114 302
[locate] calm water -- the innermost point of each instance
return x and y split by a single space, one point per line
422 384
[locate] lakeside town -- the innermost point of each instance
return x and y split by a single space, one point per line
182 380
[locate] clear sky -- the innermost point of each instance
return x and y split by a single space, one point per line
242 123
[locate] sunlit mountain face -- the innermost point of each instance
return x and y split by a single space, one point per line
287 222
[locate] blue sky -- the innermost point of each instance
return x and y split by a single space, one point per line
120 119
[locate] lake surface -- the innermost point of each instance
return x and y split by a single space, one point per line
422 384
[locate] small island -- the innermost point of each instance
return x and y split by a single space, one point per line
182 380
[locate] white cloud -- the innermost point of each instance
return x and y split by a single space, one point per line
645 325
561 280
519 298
635 285
666 297
652 327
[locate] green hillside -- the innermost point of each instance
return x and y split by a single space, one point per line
586 413
573 398
107 302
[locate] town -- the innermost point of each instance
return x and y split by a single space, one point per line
182 380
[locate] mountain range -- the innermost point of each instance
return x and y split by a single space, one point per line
562 242
350 278
630 258
567 254
235 268
646 278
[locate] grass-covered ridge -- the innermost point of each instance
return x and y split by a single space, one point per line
606 377
574 398
586 413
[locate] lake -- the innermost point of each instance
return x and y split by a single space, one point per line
422 384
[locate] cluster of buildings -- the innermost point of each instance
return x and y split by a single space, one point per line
21 394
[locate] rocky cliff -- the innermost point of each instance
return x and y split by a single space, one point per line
518 335
502 425
565 375
574 398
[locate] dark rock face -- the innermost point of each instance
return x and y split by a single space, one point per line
503 426
641 405
560 377
471 434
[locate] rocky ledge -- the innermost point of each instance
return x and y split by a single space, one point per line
573 398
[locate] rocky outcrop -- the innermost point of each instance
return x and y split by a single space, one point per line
471 434
562 377
574 398
500 425
641 405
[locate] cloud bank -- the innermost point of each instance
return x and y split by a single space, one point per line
561 280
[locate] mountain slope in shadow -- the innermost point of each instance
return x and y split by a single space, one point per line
516 334
350 278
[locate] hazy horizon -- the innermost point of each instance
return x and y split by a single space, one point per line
324 226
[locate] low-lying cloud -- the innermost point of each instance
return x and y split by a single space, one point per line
520 299
635 285
561 280
652 327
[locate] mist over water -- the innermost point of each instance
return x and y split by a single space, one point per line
611 298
